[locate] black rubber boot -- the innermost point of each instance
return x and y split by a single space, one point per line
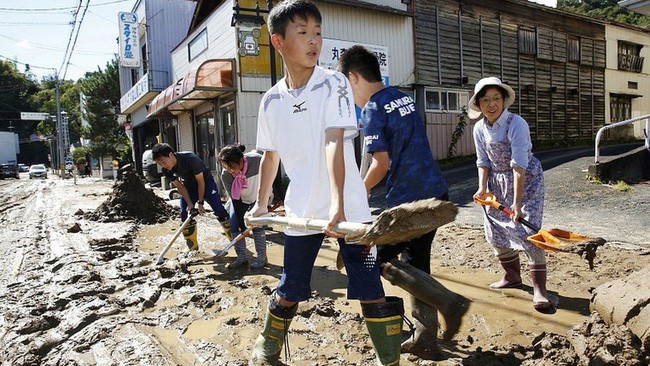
384 322
423 342
276 325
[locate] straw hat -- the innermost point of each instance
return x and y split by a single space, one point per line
474 111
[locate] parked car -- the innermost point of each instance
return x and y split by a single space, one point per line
9 170
37 171
23 168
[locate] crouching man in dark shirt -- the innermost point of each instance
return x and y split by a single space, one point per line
192 177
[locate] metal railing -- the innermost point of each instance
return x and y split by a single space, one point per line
599 134
632 63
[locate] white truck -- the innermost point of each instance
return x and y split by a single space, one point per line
9 147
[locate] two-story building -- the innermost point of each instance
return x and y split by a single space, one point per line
627 78
161 25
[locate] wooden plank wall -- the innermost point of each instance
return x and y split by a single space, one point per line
562 100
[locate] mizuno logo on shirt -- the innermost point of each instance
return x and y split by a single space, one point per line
297 108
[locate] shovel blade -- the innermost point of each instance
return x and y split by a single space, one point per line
556 239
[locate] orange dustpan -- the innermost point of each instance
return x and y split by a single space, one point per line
553 239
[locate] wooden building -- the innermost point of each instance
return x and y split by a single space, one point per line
554 60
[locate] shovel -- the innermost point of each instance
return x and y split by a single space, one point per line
161 257
222 253
398 224
553 239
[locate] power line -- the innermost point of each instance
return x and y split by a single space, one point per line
58 9
30 65
13 24
67 55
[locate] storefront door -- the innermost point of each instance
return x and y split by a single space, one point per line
205 139
228 123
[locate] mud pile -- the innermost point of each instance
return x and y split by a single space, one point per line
131 200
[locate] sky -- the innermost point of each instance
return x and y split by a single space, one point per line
37 32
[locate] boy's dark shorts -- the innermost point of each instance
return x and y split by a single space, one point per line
300 252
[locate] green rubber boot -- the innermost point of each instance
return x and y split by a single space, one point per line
276 325
225 224
190 235
384 323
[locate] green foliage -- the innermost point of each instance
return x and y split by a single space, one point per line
102 92
458 132
15 91
622 186
81 161
604 9
81 152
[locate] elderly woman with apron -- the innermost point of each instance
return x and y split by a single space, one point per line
508 169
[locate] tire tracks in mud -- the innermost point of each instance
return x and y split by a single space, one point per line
67 293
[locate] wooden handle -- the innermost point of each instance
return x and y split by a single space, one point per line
307 224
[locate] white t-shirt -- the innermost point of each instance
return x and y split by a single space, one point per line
294 127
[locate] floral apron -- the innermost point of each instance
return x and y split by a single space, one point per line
500 231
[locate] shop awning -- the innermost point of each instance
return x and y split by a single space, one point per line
207 81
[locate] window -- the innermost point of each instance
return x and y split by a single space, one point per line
444 100
632 85
573 50
144 57
135 76
620 108
198 44
629 57
527 41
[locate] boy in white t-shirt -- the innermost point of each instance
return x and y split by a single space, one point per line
308 120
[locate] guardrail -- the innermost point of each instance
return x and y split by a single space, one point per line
599 134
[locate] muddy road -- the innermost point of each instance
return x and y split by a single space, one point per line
93 296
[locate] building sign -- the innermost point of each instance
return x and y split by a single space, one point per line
129 40
247 34
334 48
135 93
34 116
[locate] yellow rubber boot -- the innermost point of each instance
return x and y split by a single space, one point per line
190 235
225 224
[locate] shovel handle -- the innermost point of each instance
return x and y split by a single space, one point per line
488 199
161 257
343 227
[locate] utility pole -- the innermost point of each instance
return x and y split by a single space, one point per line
59 141
63 136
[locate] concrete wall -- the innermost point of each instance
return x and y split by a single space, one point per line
633 166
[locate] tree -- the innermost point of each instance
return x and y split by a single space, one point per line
605 9
102 92
15 92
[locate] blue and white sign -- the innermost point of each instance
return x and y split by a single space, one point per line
135 93
334 48
129 40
